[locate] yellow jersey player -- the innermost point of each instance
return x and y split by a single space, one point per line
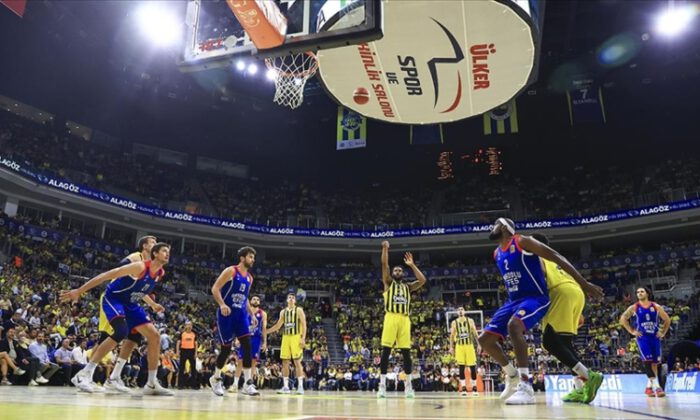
463 332
293 321
397 324
560 326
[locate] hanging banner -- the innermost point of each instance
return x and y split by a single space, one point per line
585 102
351 130
502 120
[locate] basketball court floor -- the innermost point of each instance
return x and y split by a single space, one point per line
49 403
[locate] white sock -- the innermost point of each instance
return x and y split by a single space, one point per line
649 383
463 384
510 370
581 370
117 371
578 383
152 377
524 373
217 372
655 383
247 374
285 381
382 379
300 383
90 369
407 383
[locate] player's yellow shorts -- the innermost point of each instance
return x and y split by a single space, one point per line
567 302
465 354
397 330
291 347
104 325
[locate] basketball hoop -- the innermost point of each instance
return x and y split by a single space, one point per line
291 73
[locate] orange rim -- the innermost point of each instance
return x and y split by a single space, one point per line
270 63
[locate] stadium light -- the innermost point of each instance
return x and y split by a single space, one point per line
271 74
676 19
240 65
159 24
252 69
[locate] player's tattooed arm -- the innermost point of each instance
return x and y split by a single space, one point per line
625 321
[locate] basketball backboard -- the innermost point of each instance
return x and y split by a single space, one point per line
215 38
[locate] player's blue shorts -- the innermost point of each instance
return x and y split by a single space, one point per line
237 324
528 310
255 343
649 348
132 312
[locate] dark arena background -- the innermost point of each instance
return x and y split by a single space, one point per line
341 139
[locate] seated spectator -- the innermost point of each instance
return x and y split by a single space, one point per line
47 368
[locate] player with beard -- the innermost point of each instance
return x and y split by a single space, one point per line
258 340
397 324
234 318
518 260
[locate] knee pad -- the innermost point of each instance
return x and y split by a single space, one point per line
247 350
224 352
462 375
121 331
135 337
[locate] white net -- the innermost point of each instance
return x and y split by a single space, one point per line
290 73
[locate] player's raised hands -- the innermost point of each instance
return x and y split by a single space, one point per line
408 259
385 244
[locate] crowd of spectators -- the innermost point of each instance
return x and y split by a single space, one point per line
583 191
51 342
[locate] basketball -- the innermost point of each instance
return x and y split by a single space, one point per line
361 96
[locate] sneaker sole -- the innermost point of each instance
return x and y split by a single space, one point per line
530 402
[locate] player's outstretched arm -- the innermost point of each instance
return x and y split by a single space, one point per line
625 321
278 324
133 269
420 278
216 290
386 276
531 244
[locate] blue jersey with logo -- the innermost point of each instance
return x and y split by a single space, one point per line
235 291
258 330
647 319
129 289
522 271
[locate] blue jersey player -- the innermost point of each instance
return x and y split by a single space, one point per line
258 331
234 318
648 336
518 260
120 304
